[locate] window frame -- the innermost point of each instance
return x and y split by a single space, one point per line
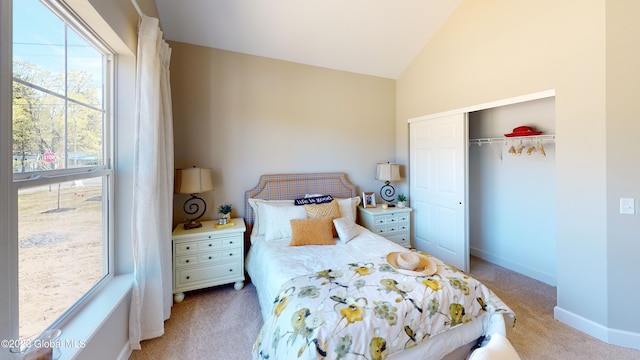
8 249
105 170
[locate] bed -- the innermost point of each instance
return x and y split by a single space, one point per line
344 299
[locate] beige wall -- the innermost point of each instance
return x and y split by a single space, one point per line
623 156
244 116
496 49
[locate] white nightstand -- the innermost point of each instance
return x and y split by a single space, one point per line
393 223
207 256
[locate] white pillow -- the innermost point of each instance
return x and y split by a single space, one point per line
498 348
278 218
346 229
259 216
349 207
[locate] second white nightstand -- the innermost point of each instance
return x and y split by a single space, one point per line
207 256
393 223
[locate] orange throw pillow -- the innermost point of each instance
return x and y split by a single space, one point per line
316 231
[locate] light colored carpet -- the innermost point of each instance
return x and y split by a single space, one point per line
222 323
537 335
214 323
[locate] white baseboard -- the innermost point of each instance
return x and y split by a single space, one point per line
580 323
125 353
611 336
508 264
624 338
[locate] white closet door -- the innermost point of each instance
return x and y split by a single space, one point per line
438 188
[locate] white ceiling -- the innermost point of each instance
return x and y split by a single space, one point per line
373 37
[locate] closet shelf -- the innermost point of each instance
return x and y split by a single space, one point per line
497 143
503 140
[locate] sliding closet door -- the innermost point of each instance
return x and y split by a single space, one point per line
438 188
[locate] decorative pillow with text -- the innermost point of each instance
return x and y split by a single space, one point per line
321 199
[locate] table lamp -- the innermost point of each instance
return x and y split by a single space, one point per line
193 181
388 172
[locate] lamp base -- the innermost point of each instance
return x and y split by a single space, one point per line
192 225
388 193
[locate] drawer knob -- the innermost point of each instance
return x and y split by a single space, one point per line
188 277
230 270
188 247
230 254
187 260
230 242
210 245
209 257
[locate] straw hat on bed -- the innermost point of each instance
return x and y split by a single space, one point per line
412 263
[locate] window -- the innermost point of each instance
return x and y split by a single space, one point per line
62 175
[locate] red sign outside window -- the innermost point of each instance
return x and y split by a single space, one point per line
49 157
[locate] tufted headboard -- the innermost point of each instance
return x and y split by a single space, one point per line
294 186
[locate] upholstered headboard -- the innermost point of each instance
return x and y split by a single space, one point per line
294 186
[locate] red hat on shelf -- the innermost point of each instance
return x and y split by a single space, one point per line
523 131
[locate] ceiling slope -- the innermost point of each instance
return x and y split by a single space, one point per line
373 37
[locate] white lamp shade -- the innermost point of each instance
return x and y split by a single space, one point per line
388 172
193 181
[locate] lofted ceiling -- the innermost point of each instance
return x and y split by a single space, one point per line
372 37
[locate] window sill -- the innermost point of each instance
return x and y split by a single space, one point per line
79 331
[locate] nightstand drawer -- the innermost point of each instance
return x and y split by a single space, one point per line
232 241
222 255
402 239
383 229
186 248
390 228
227 254
378 229
209 244
213 274
219 242
182 261
391 218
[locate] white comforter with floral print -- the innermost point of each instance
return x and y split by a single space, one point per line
368 310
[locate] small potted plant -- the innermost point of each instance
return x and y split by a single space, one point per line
225 210
401 201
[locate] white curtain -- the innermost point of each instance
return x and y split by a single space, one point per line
151 297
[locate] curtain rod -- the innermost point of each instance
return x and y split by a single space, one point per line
135 5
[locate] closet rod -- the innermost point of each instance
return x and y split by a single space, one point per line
135 5
495 140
